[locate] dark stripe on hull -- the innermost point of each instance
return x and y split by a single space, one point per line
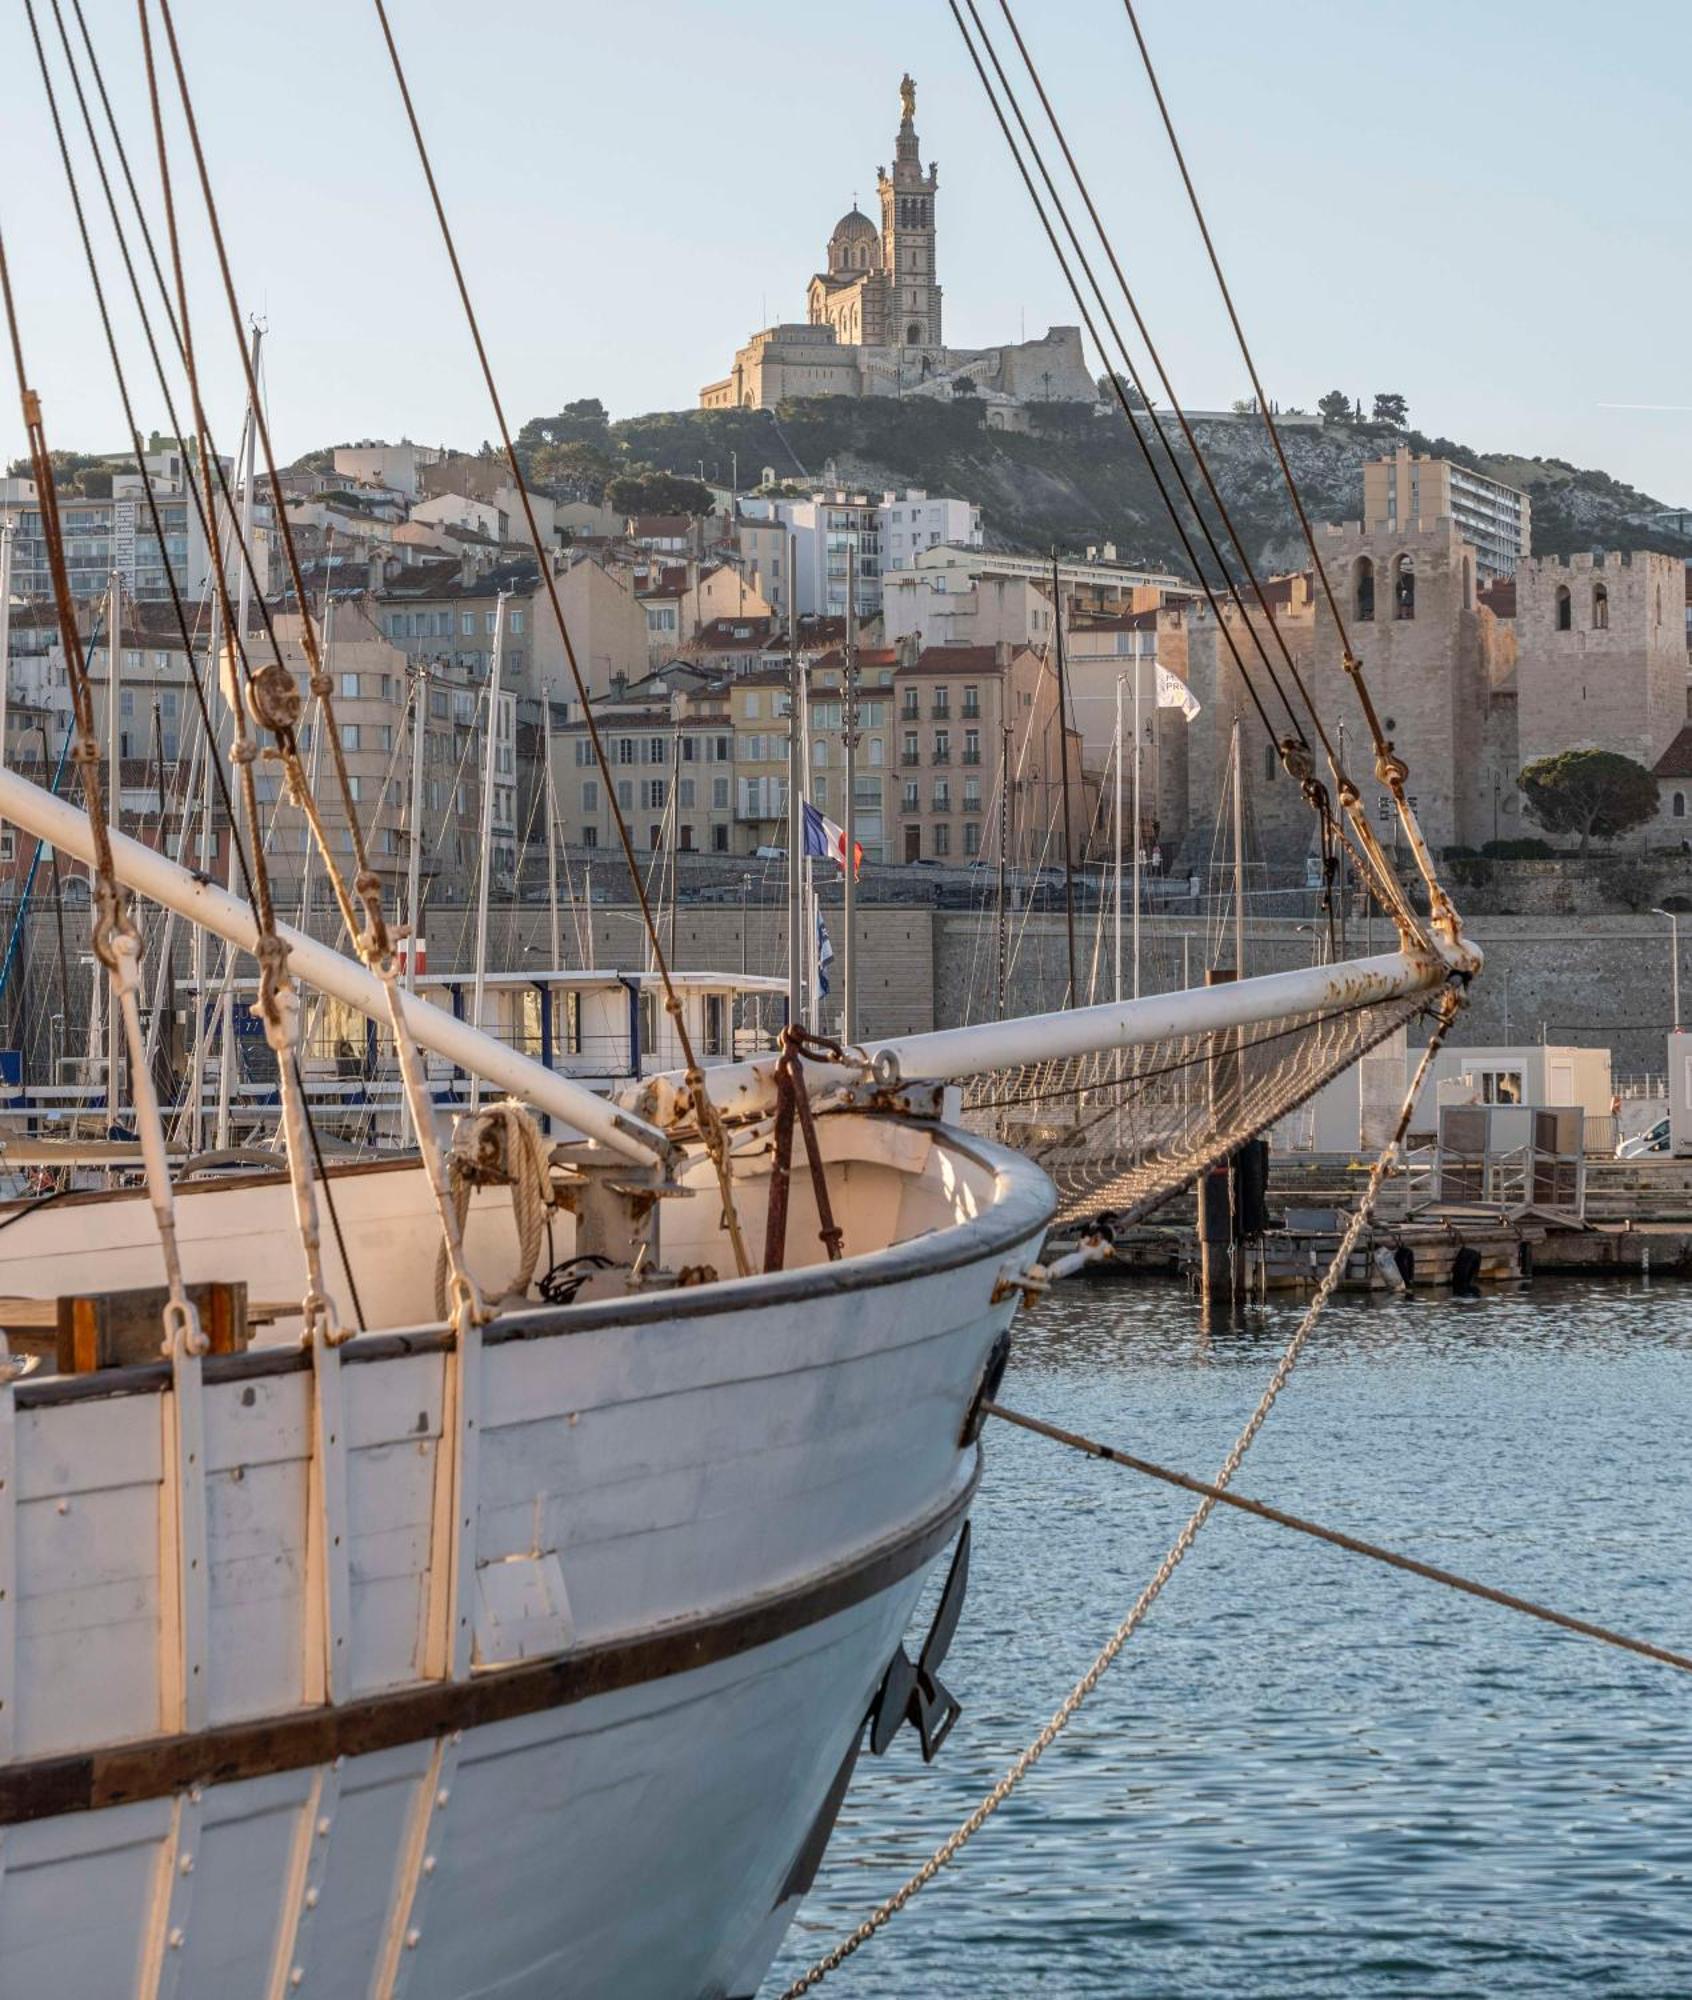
163 1765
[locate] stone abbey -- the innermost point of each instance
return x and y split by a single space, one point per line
873 317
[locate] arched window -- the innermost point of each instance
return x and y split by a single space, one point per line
1363 591
1468 583
1404 588
1678 805
1600 608
913 335
1565 609
1270 760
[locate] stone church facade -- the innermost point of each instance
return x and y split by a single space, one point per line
873 318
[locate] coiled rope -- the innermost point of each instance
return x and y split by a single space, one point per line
953 1844
501 1146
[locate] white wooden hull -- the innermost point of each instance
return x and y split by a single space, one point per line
699 1522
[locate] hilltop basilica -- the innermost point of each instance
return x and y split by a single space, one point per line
872 325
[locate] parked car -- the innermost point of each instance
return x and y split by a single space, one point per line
1655 1139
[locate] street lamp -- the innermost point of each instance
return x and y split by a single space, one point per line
1674 963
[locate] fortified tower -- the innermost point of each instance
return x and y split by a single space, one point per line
1602 654
1434 665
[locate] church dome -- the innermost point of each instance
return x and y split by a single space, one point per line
855 244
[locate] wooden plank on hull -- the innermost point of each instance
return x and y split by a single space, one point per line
86 1781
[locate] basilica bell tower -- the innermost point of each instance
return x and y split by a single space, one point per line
907 237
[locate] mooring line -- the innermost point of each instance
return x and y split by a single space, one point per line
1339 1539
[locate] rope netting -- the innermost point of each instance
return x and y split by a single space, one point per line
1128 1128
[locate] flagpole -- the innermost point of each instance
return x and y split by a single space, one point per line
795 802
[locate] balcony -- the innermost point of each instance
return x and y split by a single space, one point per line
910 758
908 804
941 757
940 712
910 712
971 757
972 711
971 805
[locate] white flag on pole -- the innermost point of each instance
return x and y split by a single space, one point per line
1173 692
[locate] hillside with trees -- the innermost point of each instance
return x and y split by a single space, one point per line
1076 478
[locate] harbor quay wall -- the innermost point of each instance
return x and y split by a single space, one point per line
1593 981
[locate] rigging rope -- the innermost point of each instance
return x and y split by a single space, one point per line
113 937
711 1128
1127 408
1390 768
949 1848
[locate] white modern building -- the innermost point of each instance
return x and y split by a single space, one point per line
886 533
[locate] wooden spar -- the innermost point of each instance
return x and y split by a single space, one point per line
204 904
745 1089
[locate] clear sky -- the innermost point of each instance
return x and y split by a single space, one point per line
1480 204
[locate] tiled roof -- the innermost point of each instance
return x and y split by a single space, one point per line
660 527
953 660
1676 760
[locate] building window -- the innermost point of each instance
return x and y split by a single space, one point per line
349 687
1363 592
590 836
942 839
1678 808
1269 761
972 837
590 795
1600 608
1404 588
1565 609
719 840
913 335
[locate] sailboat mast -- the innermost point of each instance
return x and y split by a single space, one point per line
1117 899
1139 823
555 962
848 921
114 807
6 528
243 605
414 850
1239 860
1004 862
490 765
795 802
1074 995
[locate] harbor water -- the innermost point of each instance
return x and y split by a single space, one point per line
1308 1775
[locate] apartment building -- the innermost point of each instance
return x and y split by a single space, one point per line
834 530
108 529
761 707
673 764
1406 488
962 714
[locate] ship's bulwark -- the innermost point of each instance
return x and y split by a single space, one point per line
698 1536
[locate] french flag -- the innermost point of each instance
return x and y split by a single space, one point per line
824 841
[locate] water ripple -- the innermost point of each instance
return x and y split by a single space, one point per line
1309 1778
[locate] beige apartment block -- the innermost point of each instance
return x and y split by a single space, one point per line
445 613
672 765
760 707
1601 641
962 716
1494 519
